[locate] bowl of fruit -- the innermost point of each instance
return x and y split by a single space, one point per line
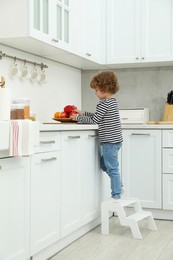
64 116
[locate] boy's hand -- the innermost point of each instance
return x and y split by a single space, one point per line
73 117
79 112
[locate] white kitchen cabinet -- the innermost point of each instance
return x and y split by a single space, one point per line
168 191
45 193
94 27
168 160
90 176
79 180
49 22
168 138
71 215
141 166
139 31
14 204
167 152
43 28
89 37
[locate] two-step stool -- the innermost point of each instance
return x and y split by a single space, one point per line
119 206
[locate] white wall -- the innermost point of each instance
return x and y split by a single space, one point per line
62 87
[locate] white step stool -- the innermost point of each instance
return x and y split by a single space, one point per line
118 206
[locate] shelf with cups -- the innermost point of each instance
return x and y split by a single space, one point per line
37 74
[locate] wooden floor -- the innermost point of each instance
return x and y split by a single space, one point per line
120 245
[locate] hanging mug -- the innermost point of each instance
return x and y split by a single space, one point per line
14 69
42 77
24 71
34 74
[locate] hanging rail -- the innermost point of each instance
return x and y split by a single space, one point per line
4 55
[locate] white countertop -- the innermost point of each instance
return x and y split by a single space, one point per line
79 126
147 126
66 127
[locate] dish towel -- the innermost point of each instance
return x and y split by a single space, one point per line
21 137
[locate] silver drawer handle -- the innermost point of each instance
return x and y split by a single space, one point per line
47 142
92 136
48 159
74 137
141 134
55 40
88 54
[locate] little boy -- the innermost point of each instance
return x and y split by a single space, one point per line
107 117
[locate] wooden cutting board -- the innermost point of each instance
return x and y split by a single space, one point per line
160 122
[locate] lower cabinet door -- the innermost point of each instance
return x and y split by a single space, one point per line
141 166
168 160
80 180
71 215
90 177
168 191
45 200
14 208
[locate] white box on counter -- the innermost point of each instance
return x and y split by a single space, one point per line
134 115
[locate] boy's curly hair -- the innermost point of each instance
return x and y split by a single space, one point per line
106 81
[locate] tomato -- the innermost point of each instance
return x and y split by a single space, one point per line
63 115
57 114
69 108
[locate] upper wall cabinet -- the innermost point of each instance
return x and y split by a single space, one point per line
94 13
88 38
53 29
40 21
139 31
49 21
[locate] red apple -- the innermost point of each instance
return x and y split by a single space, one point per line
63 115
73 113
69 108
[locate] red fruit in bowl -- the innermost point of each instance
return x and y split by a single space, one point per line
69 108
63 115
73 113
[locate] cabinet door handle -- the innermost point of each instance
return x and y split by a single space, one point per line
47 142
92 136
55 40
88 54
141 134
74 137
48 159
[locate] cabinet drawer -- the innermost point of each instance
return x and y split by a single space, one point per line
167 138
168 191
49 141
167 160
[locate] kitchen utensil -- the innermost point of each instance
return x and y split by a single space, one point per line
168 112
170 97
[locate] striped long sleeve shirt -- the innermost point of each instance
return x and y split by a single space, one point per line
108 119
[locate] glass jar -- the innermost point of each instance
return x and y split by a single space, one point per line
17 111
22 104
32 116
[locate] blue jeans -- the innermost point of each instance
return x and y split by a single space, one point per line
110 164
